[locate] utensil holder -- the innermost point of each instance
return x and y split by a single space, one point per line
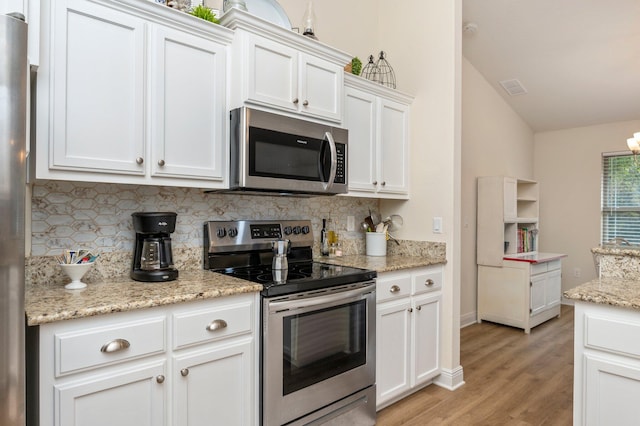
376 243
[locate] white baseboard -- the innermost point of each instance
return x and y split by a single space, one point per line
450 379
468 319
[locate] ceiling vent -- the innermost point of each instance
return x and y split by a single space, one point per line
513 87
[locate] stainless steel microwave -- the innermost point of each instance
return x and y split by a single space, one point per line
276 153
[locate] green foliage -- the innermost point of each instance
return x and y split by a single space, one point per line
356 66
205 13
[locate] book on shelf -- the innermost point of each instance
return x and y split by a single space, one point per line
526 240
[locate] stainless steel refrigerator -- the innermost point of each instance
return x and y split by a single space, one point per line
13 134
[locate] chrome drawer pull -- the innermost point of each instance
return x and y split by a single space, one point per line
394 289
184 372
160 379
115 346
429 282
217 325
139 160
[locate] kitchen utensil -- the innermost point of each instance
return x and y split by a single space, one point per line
392 238
280 250
375 217
394 221
76 271
365 226
370 223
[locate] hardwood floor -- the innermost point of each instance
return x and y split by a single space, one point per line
510 379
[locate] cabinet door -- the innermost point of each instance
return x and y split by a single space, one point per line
188 103
215 386
553 288
510 199
360 119
611 392
131 397
392 349
393 139
538 297
321 88
272 75
426 338
97 106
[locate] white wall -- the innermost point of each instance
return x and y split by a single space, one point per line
495 142
567 163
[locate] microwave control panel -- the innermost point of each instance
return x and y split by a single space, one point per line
341 150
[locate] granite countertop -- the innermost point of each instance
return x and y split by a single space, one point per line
633 251
620 292
46 299
383 263
46 302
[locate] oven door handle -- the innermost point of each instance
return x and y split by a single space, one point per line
343 296
334 161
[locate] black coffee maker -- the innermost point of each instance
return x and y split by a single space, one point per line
152 257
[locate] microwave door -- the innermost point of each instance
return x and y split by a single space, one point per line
328 176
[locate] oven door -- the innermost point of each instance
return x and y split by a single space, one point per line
318 348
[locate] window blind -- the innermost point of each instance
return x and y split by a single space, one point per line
620 199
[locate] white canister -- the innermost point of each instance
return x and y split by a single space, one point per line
376 243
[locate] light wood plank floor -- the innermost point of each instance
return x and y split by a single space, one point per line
510 379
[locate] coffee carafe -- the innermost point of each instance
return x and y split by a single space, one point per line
152 255
280 264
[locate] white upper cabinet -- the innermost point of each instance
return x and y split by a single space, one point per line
131 92
378 123
278 69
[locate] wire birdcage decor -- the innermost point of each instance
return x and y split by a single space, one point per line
380 71
371 71
386 76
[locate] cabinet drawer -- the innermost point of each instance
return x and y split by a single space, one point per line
554 264
424 282
213 323
393 286
624 341
539 268
95 347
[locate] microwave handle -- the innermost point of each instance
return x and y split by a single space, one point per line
334 161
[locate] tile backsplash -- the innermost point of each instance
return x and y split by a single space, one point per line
98 216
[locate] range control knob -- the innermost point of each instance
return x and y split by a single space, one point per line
287 230
221 232
305 229
233 232
296 230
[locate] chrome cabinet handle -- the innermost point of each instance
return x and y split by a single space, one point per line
161 163
295 101
139 160
383 183
305 103
217 324
184 372
160 379
429 282
394 289
375 182
115 346
419 308
410 310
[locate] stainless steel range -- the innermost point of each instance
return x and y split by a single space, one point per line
318 323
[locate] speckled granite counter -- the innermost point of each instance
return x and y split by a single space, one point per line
383 263
45 302
619 292
618 262
108 290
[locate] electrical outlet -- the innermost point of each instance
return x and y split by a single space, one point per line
577 272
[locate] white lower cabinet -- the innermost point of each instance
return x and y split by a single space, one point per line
606 386
407 331
519 293
185 365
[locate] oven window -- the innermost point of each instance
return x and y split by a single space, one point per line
280 155
322 344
